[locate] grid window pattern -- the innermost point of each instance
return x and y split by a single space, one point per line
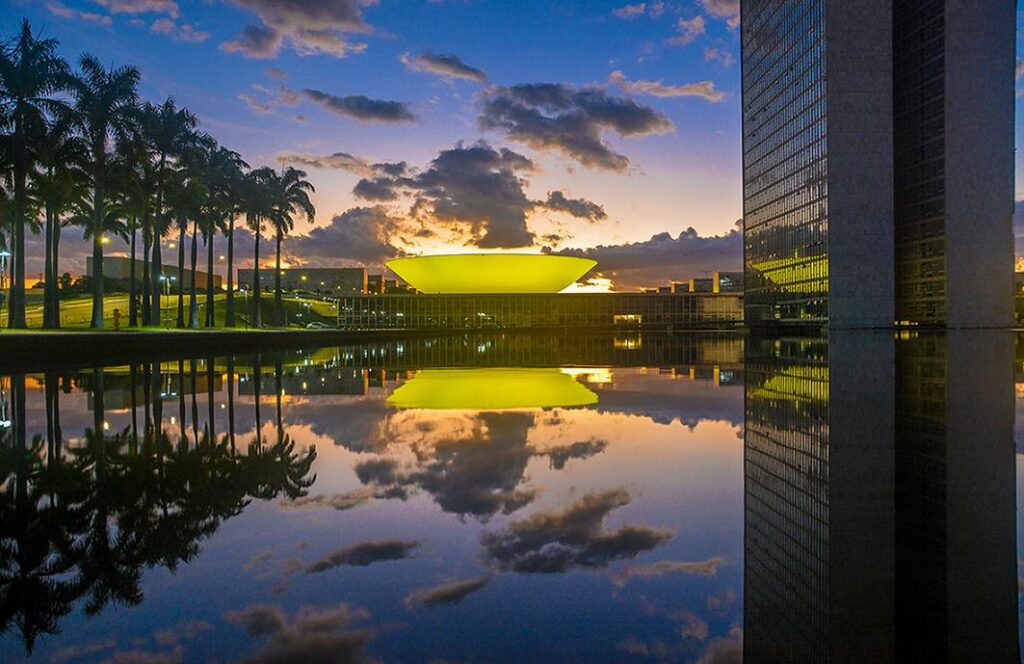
919 159
786 531
785 175
472 312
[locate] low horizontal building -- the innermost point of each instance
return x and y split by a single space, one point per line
540 310
328 280
119 267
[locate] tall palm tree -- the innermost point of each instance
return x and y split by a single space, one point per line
185 195
30 72
106 101
135 181
168 131
258 207
58 186
225 176
290 191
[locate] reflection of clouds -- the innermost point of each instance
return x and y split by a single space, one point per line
724 649
701 567
579 450
364 554
552 542
313 635
447 593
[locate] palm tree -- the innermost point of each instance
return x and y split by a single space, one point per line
224 176
135 182
290 193
168 131
30 72
59 187
257 205
106 101
185 195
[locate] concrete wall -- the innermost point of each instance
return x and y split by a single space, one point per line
858 65
979 162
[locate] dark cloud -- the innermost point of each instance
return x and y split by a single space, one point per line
309 26
377 189
255 41
447 593
554 542
361 235
584 449
364 554
313 636
359 107
338 501
663 258
707 567
570 120
379 471
577 207
444 65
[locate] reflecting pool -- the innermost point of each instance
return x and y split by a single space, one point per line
517 498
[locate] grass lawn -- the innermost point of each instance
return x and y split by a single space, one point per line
76 313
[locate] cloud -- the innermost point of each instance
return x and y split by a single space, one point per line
707 567
359 107
729 10
183 631
1020 69
184 32
63 11
724 649
309 26
313 635
629 12
553 542
721 56
705 89
255 105
361 235
689 29
169 7
577 207
447 593
364 554
276 73
663 258
443 65
570 120
338 501
584 449
342 161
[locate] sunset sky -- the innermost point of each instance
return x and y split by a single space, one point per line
434 126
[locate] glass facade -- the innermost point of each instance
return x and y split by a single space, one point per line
785 176
919 147
485 311
786 469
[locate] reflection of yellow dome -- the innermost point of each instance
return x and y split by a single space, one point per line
491 273
490 389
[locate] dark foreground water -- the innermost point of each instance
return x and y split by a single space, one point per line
701 498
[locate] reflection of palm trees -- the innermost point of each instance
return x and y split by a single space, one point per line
86 523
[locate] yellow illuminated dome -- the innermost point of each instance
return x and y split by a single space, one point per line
491 389
491 273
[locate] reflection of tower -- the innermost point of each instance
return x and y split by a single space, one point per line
880 499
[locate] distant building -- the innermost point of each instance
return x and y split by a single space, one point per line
702 285
119 267
878 162
375 284
331 280
728 282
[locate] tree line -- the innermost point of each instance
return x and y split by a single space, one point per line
79 148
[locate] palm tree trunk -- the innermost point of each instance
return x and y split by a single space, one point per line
56 270
229 314
155 308
49 283
147 318
182 424
193 304
133 307
181 273
209 277
257 319
231 401
211 413
278 370
195 406
256 388
278 304
97 253
16 299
